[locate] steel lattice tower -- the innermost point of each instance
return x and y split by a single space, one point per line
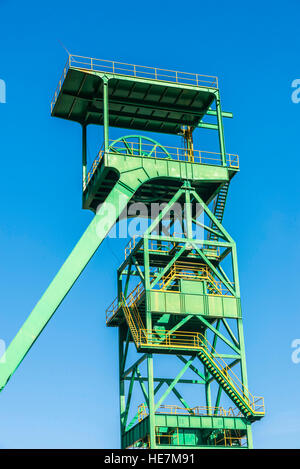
178 308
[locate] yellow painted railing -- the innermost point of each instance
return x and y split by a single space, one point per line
179 270
171 438
197 341
191 341
197 410
231 438
193 271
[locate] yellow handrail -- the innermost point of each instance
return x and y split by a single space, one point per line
190 340
197 341
193 271
173 409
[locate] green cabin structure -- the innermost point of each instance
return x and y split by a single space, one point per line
182 364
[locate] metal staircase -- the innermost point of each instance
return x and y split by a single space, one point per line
252 407
218 209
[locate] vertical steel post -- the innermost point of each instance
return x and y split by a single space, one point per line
121 384
151 402
84 156
220 128
105 114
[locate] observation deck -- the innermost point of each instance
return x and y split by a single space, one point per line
143 98
115 94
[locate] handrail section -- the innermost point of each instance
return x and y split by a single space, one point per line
175 153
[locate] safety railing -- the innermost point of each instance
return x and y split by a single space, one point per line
137 71
142 71
160 338
193 271
256 403
231 438
179 270
173 153
93 168
130 300
112 309
60 83
153 245
170 438
171 409
140 148
131 245
197 341
167 339
135 294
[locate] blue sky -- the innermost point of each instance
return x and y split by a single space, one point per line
65 393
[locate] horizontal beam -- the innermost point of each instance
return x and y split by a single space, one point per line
212 112
140 104
205 125
168 380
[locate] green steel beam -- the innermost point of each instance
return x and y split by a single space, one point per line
192 367
206 125
233 338
129 396
214 269
212 112
231 365
175 381
218 333
84 155
146 395
84 250
105 114
122 397
220 128
151 403
182 400
132 367
124 354
161 381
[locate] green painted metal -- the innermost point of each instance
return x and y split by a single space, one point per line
182 277
65 278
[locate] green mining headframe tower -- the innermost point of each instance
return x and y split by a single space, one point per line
182 367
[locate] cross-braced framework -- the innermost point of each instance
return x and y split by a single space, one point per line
178 304
179 299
